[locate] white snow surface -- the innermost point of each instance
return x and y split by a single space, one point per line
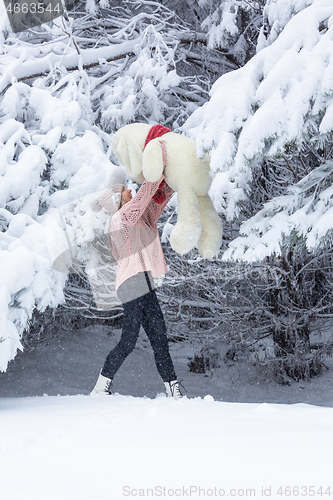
103 448
76 447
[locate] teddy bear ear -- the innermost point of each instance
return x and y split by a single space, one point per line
130 155
152 161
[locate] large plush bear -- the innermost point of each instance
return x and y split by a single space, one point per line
145 152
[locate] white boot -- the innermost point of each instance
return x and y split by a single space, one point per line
173 389
103 387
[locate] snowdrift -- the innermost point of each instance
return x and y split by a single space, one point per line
103 448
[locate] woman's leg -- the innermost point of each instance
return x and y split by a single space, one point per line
131 327
154 326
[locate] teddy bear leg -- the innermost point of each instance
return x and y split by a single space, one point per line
186 233
211 236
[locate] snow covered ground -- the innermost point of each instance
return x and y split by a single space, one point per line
76 447
140 444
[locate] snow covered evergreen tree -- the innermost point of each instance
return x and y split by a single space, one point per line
233 26
65 88
280 98
269 128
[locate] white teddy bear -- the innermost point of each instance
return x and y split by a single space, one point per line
146 151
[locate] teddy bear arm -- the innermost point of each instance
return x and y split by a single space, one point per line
152 161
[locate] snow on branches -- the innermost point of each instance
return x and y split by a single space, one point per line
221 24
65 87
144 89
282 96
233 26
306 211
27 279
43 167
276 16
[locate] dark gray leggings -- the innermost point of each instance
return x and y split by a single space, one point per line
143 311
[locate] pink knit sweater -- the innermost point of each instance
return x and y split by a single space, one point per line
135 242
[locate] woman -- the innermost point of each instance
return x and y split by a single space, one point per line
136 246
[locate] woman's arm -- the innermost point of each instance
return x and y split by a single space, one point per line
134 209
156 209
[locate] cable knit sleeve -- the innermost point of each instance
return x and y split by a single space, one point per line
132 211
155 210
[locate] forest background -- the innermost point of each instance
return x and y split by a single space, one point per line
251 82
